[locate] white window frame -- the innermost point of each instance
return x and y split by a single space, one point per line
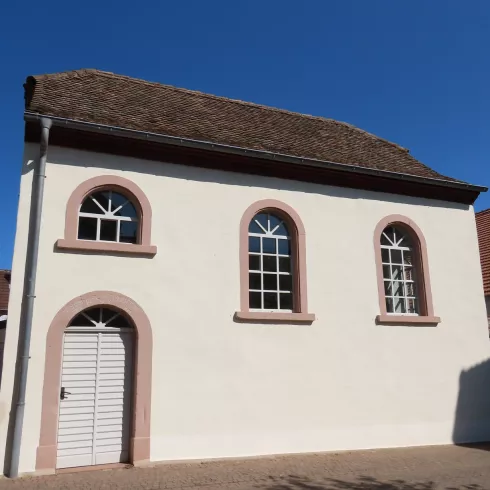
261 254
396 245
109 214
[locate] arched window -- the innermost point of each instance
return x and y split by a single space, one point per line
100 317
400 284
403 273
108 214
270 269
272 265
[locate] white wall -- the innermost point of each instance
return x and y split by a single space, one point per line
226 389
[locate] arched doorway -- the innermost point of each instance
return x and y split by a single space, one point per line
97 385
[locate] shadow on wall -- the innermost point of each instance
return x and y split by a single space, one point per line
294 482
472 418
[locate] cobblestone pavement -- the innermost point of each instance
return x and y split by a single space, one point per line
427 468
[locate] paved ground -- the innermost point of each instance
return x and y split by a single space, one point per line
429 468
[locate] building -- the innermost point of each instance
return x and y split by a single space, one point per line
4 301
483 228
221 279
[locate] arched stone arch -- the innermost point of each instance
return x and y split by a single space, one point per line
141 403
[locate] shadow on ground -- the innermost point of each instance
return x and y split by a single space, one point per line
294 482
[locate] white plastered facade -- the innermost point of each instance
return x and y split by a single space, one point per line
227 389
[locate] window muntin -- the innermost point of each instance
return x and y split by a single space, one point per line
270 268
100 318
108 216
399 277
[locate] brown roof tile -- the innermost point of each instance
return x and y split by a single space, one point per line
4 289
105 98
483 229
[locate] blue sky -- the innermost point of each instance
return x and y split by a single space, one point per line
414 72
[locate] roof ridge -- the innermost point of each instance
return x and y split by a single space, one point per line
222 98
482 212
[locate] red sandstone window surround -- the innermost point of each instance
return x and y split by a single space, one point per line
273 265
402 270
108 214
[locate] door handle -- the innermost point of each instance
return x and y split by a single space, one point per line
63 393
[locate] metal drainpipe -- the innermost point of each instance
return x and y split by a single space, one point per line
29 294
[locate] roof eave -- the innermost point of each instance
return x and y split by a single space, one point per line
260 154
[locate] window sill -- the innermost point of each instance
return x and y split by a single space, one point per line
89 246
407 320
274 317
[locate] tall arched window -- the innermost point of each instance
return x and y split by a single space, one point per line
403 273
108 216
270 269
400 285
272 265
108 213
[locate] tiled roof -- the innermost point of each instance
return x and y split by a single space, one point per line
114 100
483 229
4 289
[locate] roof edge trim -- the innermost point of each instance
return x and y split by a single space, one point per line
261 154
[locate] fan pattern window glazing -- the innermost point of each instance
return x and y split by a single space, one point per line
99 317
108 216
270 267
400 286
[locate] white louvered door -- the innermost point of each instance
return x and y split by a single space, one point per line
95 413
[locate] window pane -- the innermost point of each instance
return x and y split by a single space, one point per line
87 228
81 321
255 300
270 264
102 198
119 322
254 262
410 287
386 272
282 230
127 206
286 300
285 283
389 235
407 257
284 264
253 227
409 273
274 221
396 256
108 230
253 244
270 282
89 206
270 301
389 305
269 245
384 239
412 306
128 232
262 219
385 255
400 305
403 240
397 272
388 288
284 247
254 281
398 289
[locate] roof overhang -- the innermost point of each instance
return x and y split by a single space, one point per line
170 149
